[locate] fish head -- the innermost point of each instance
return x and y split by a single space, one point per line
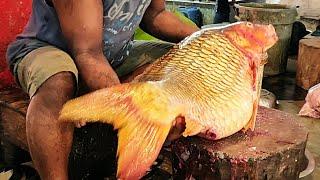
252 39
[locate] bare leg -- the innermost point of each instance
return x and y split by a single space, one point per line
49 141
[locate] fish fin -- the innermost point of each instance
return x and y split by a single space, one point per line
141 111
138 148
252 122
192 128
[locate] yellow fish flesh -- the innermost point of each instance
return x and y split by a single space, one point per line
208 79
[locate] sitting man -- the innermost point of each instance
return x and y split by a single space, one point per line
91 38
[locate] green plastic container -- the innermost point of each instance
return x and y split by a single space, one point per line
141 35
282 18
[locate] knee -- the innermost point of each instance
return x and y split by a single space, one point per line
57 89
62 83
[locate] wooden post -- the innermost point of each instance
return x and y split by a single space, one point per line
308 64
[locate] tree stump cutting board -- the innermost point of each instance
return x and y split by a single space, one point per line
308 64
275 150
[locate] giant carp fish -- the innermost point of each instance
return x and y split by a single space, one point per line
209 79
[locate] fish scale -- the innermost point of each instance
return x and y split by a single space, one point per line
208 79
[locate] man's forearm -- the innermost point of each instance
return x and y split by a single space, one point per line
81 23
95 71
167 26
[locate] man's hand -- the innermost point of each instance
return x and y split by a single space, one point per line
177 129
96 71
164 24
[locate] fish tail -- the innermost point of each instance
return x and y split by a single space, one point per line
139 146
141 111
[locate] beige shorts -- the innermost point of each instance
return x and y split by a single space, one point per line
40 64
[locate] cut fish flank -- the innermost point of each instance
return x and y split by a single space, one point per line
209 79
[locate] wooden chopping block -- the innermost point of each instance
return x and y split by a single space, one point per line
275 150
308 64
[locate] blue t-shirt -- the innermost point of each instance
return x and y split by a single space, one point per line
120 19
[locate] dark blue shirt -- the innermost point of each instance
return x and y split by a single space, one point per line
121 18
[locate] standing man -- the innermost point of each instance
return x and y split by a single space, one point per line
222 11
91 38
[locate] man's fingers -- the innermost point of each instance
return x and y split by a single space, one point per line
178 127
80 124
77 125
